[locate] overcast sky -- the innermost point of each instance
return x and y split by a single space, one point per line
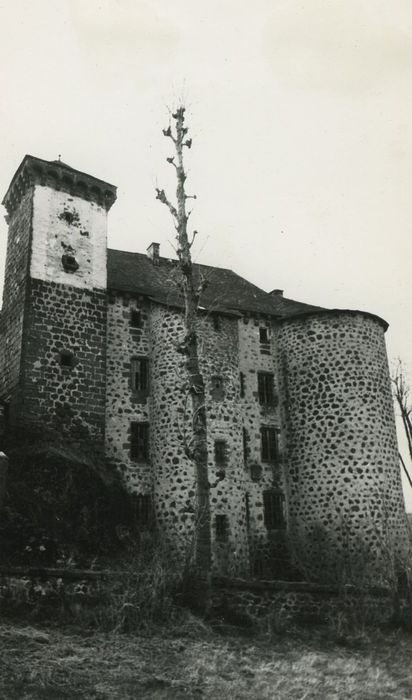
301 115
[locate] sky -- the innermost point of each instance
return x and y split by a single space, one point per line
301 119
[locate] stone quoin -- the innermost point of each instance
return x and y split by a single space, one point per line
301 434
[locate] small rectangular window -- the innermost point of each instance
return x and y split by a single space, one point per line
143 510
242 385
136 318
66 358
221 528
273 510
220 452
217 388
266 390
269 449
263 335
139 374
247 511
245 440
139 442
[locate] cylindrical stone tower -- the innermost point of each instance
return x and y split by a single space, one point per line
345 504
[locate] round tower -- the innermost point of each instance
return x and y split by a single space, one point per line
345 504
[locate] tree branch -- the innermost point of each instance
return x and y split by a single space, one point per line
161 196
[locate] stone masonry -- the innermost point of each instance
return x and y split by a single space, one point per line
301 439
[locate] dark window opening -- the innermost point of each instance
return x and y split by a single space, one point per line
256 472
221 528
247 511
273 506
216 322
139 442
66 358
220 452
245 439
143 510
242 384
139 374
69 263
263 335
136 318
266 389
217 388
217 382
269 447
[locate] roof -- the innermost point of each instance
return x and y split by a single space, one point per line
59 175
225 291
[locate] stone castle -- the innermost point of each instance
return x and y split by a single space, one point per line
301 432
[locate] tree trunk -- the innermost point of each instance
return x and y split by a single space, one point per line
191 292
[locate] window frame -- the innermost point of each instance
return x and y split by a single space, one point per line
266 388
139 441
274 510
242 384
142 386
221 527
220 452
135 320
269 444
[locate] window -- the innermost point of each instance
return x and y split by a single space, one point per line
273 507
143 509
139 374
139 442
247 511
69 263
220 452
266 390
221 528
242 384
217 389
263 335
269 450
136 318
66 358
245 438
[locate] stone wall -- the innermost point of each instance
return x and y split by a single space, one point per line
228 345
14 297
123 405
280 604
344 491
174 475
255 357
64 366
68 225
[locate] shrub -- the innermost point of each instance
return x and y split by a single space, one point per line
62 506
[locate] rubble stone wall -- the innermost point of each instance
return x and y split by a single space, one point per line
123 406
343 481
15 296
62 320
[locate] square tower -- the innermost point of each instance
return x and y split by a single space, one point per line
53 322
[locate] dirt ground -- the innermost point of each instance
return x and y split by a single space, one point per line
46 662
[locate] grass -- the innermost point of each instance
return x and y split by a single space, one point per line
197 662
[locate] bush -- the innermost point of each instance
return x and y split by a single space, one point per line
146 590
61 507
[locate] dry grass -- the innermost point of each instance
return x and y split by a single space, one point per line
50 663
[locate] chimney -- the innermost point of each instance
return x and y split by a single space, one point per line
276 293
153 253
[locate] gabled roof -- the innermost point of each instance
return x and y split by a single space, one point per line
225 290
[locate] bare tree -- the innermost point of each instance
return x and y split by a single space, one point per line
401 392
192 287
